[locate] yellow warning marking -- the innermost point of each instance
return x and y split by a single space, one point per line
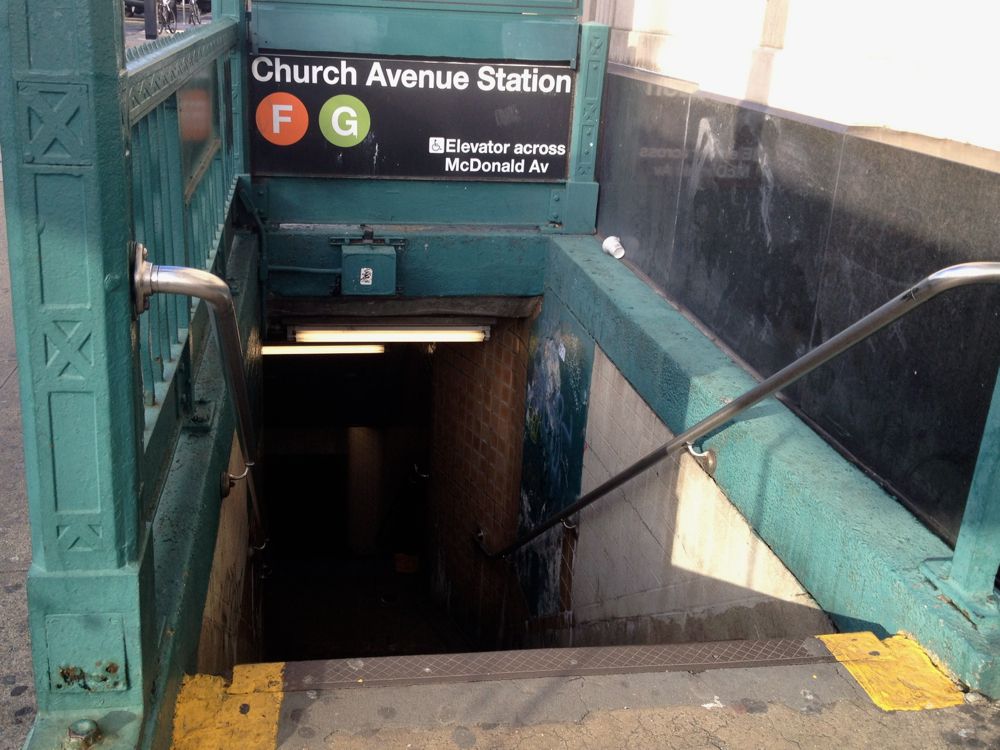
896 673
211 715
258 678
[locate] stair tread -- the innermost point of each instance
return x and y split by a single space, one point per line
766 693
553 662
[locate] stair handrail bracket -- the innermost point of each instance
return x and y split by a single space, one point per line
952 277
149 279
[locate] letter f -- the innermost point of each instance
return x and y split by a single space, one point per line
278 118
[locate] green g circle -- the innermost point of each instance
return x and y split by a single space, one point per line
344 121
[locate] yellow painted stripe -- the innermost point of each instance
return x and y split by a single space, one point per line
896 672
211 715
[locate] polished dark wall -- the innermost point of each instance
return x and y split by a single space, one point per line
778 233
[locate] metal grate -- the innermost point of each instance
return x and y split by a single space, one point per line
565 662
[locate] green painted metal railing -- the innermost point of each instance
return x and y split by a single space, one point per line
185 162
105 146
158 213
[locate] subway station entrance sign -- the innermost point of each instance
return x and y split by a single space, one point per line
364 117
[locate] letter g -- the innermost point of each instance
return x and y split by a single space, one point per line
344 121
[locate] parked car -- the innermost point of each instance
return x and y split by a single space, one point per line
136 7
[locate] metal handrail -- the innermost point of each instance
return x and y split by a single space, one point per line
952 277
149 279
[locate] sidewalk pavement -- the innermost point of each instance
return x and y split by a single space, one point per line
17 691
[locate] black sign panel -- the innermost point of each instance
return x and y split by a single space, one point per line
362 117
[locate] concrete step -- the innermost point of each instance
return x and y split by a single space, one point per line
826 692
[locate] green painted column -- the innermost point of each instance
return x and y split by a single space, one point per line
65 150
977 553
227 8
967 579
579 215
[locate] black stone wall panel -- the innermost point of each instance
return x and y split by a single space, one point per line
639 169
910 402
778 233
753 218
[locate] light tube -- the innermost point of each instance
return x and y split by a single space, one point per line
280 349
361 334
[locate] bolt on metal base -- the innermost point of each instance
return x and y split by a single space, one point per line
82 734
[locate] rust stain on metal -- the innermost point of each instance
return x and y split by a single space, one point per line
72 674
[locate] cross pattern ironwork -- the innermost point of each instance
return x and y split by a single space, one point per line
54 136
68 341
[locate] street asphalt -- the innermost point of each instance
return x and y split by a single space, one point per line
135 26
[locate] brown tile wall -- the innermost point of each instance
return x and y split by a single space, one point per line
475 480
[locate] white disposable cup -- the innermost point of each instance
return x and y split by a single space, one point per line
613 247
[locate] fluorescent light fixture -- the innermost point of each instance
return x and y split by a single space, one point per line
399 334
276 349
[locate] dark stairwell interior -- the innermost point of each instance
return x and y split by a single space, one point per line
380 469
346 446
377 470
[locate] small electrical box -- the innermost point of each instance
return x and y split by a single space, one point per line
368 269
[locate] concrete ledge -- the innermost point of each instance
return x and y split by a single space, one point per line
854 548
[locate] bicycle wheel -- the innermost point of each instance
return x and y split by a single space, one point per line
165 17
194 13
